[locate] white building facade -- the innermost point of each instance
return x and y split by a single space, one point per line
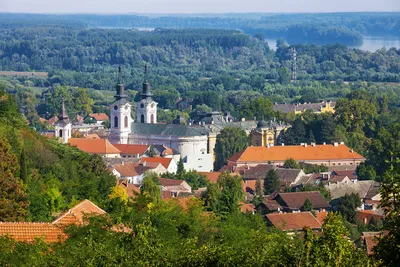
190 141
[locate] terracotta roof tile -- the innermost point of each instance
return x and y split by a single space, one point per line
371 239
299 153
94 146
293 221
132 149
211 176
170 182
349 173
163 161
365 216
99 116
131 169
320 216
337 178
296 200
130 188
245 208
28 232
77 214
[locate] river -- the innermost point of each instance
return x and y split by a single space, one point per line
371 43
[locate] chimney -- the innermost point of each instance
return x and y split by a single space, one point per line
336 144
342 143
313 144
352 150
305 145
268 146
324 143
283 144
243 119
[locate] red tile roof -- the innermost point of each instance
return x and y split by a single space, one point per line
320 216
76 215
131 169
170 182
365 216
94 146
371 239
293 221
132 149
299 153
52 120
337 178
211 176
99 116
245 208
296 200
350 174
163 161
28 232
129 188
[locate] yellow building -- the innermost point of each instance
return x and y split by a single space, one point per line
268 133
323 107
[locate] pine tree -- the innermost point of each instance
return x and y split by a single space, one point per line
259 191
271 182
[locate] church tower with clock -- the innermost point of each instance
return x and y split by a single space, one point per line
120 112
146 108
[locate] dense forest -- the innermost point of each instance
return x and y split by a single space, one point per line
326 28
183 60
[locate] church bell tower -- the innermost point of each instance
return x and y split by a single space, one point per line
120 112
146 108
63 127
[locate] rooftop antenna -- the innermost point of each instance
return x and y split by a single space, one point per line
294 59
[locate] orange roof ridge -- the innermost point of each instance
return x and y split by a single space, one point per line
298 152
71 211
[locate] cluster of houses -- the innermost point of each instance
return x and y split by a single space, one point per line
132 148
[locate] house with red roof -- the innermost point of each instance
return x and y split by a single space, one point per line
292 202
101 147
293 222
168 163
134 172
211 176
97 118
51 232
132 151
175 187
328 155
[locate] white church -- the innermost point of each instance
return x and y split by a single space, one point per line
190 141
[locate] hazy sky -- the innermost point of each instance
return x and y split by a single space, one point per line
194 6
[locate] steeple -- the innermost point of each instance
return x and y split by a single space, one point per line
146 94
120 86
63 116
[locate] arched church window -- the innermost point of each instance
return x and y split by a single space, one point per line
60 133
142 105
126 121
116 122
152 118
142 118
